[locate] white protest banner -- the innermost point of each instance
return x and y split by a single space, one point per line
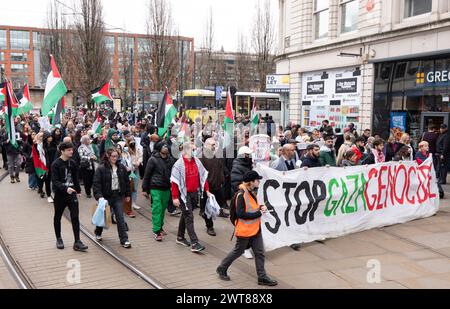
322 203
260 144
45 124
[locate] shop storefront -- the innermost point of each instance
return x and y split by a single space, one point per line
333 95
411 94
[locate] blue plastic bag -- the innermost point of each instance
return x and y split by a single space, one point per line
98 219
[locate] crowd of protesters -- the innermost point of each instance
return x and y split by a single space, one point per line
181 169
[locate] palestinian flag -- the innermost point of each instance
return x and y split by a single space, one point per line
11 106
255 115
54 90
166 114
39 162
228 122
58 110
97 126
2 96
23 97
101 94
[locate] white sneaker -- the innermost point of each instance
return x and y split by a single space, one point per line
136 207
248 254
49 199
126 245
98 238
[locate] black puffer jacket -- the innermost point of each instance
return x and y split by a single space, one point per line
27 152
103 182
241 166
310 162
157 173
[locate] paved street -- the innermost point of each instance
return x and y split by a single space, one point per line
412 255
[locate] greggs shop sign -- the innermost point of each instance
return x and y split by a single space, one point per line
434 78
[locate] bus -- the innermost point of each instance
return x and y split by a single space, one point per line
202 103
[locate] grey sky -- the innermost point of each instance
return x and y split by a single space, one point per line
231 16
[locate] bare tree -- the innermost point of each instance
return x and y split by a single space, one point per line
263 41
91 54
79 48
244 67
54 41
162 48
206 64
125 44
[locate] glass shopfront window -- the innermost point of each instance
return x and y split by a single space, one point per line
411 88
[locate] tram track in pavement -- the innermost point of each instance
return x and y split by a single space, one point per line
217 252
119 258
13 266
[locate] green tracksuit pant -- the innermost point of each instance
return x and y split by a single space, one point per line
160 200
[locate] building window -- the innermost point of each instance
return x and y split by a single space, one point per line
349 15
287 42
417 7
22 57
19 68
110 44
143 45
321 17
19 39
3 39
36 40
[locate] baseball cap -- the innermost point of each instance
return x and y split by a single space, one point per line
251 176
444 126
244 150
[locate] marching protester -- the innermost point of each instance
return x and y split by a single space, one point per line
376 154
431 136
14 159
29 164
360 149
66 187
248 229
351 158
423 153
405 140
111 141
404 154
286 162
189 180
111 182
216 178
50 156
87 163
157 183
326 129
136 158
42 156
241 165
311 158
348 142
443 153
327 154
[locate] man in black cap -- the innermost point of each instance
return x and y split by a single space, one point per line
67 188
443 151
248 229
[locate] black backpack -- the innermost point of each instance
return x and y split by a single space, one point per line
233 214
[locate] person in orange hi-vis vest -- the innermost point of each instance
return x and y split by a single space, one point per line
248 229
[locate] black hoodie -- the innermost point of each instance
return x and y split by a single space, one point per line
241 166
